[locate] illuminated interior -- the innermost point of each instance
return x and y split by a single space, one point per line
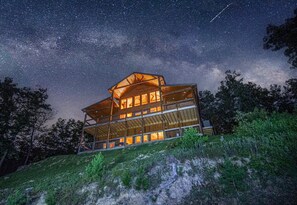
129 140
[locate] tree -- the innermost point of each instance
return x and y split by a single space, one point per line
9 94
290 95
24 112
63 137
36 114
283 36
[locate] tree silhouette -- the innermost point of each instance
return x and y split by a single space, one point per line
283 36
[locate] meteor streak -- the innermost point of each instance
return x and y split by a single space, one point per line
220 13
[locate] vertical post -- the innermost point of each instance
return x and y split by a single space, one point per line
161 100
126 131
142 127
96 134
82 138
178 118
196 99
110 119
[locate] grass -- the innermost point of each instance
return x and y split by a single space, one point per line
269 145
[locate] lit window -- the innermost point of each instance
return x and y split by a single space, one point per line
137 100
144 112
160 135
157 136
137 114
152 97
153 109
129 114
122 116
104 145
158 95
129 102
154 136
137 139
122 139
111 144
123 103
129 140
144 99
145 138
159 108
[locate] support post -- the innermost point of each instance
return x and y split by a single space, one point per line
196 98
178 118
162 108
126 132
110 119
82 138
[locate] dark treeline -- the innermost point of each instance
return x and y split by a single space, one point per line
235 96
25 138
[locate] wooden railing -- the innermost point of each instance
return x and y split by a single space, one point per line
147 110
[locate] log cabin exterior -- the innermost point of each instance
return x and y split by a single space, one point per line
142 108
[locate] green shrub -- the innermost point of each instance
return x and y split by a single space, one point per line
232 177
257 114
50 198
96 167
191 138
142 181
126 178
17 198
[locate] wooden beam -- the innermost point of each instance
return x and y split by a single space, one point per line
178 91
196 98
110 119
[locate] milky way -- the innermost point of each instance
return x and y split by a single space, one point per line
78 49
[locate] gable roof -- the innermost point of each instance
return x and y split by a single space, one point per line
135 78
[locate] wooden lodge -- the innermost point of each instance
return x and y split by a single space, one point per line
142 108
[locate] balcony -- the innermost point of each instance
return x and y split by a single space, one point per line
144 111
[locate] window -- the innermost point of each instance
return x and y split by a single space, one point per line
137 139
157 136
121 141
137 100
122 116
123 103
154 136
129 114
129 102
144 112
104 145
129 140
158 96
144 99
160 135
145 138
152 97
111 144
137 114
155 109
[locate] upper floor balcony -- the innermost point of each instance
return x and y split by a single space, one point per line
144 111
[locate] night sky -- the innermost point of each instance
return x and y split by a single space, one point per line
77 49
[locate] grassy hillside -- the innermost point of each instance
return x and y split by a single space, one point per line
255 165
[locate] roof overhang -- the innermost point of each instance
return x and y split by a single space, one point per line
134 79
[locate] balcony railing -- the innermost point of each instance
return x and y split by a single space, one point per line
149 109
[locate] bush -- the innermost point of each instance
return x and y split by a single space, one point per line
191 139
17 198
142 181
96 167
232 177
50 198
126 178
